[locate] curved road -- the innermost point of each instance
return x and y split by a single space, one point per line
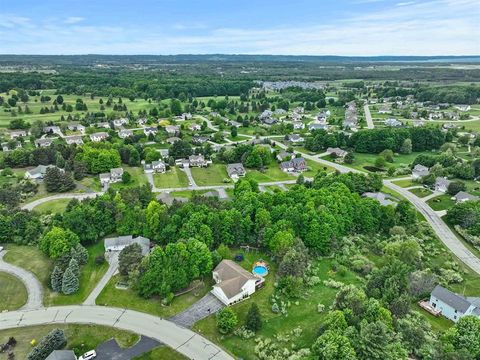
183 340
37 202
34 288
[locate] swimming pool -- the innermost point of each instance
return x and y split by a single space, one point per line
260 270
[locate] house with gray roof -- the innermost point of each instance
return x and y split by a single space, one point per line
99 136
284 155
120 242
441 184
52 129
463 196
383 199
43 142
6 146
295 138
37 173
420 171
120 122
150 131
76 127
114 176
339 153
155 166
172 130
392 122
74 139
173 139
197 161
294 165
18 133
452 305
235 170
124 133
61 355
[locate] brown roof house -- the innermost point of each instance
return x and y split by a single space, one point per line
233 283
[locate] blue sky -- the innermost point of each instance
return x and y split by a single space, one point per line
293 27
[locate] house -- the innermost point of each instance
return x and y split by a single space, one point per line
351 118
120 122
124 133
420 171
233 283
18 133
295 138
317 125
195 127
105 125
155 166
284 155
235 171
114 176
384 109
463 107
199 139
43 142
266 114
121 242
163 152
6 147
294 165
61 355
141 121
441 184
38 172
454 306
322 117
52 130
186 116
234 123
392 123
76 127
298 110
337 152
269 121
99 136
173 139
383 199
463 196
74 139
150 131
298 125
280 112
197 161
172 130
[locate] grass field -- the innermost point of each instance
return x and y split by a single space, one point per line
421 192
138 178
442 202
214 174
53 206
171 179
80 338
111 296
362 160
272 173
161 353
405 183
314 167
13 293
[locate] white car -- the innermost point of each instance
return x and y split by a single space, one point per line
88 355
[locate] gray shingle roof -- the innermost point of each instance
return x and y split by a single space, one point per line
456 301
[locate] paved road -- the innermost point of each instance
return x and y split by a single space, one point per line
112 269
34 288
185 341
368 117
204 307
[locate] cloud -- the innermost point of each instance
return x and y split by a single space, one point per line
407 3
73 20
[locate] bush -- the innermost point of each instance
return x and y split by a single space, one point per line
100 259
226 320
54 340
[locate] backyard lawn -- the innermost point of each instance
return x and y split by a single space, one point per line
80 338
126 298
52 206
13 292
442 202
171 179
211 175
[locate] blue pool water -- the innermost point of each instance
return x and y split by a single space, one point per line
260 270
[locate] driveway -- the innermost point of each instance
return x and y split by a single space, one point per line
191 180
204 307
110 350
368 117
33 286
112 258
32 204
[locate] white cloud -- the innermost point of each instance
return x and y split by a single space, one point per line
73 20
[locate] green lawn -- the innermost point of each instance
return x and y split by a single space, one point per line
405 183
111 296
91 182
442 202
362 159
161 353
272 173
214 174
52 206
314 167
80 338
138 178
171 179
421 192
13 293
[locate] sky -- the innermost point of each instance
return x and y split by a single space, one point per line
280 27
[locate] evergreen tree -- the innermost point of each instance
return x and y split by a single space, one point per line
56 279
80 254
70 282
73 265
253 321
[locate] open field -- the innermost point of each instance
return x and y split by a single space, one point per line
13 292
171 179
214 174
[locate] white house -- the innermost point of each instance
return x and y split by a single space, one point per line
53 129
298 125
197 161
393 123
18 133
121 242
74 139
76 127
150 131
340 153
453 306
233 283
295 138
195 127
120 122
99 136
441 184
155 166
124 133
43 142
5 146
115 175
172 130
419 171
463 107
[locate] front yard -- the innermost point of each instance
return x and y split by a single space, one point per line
441 202
214 174
171 179
421 192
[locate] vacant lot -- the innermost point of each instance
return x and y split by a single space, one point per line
171 179
215 174
53 206
442 202
421 192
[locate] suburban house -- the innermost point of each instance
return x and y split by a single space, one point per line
61 355
385 109
337 152
393 123
105 125
186 116
197 161
351 117
120 122
195 127
141 121
266 114
5 146
115 175
18 133
172 130
383 199
235 170
197 139
420 171
233 283
294 165
163 152
298 125
441 184
317 125
168 199
38 172
463 107
121 242
52 129
155 166
124 133
99 136
269 121
463 196
74 139
295 138
43 142
453 306
150 130
285 155
173 139
76 127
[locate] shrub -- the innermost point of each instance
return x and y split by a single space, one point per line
226 320
54 340
253 321
100 259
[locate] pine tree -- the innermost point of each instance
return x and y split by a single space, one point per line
56 279
253 321
70 283
80 254
73 265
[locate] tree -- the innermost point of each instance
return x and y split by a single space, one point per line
253 320
464 336
54 340
380 162
58 242
59 99
176 107
70 282
73 266
129 259
406 147
80 254
332 345
56 279
57 180
226 320
234 132
126 177
456 186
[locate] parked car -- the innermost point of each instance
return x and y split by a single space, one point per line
88 355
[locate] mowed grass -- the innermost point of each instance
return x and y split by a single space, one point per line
405 183
304 315
173 178
129 299
442 202
314 167
80 338
161 353
53 206
138 178
13 294
271 173
214 174
421 192
362 160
